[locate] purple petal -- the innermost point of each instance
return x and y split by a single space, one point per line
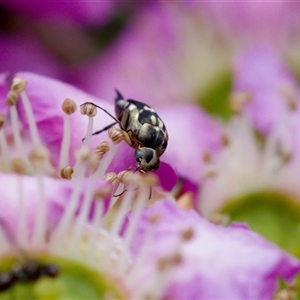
217 262
25 53
85 12
165 55
248 20
56 192
27 190
260 72
191 133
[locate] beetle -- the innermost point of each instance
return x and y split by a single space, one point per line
29 271
146 130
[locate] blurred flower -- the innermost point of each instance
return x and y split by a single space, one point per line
112 266
192 255
78 11
256 181
167 53
270 86
245 23
24 52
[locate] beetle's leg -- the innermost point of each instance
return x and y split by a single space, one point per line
105 128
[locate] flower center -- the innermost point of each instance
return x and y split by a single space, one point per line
46 277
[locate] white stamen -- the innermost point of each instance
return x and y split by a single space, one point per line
142 257
80 166
69 213
81 220
65 145
106 161
122 211
136 214
31 119
5 154
16 130
97 219
89 131
5 245
22 232
114 199
39 232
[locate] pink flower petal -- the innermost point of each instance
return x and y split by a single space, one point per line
85 12
260 72
216 262
191 133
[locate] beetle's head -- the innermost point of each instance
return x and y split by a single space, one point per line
146 159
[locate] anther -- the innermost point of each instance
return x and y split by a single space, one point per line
66 172
290 98
92 161
12 98
102 192
225 140
82 153
19 85
18 166
187 234
69 106
102 149
39 155
116 135
2 120
206 156
219 219
172 260
238 100
185 201
112 177
154 219
147 179
88 109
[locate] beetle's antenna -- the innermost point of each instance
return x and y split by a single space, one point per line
150 193
118 195
119 96
108 113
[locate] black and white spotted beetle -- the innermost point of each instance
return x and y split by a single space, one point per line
146 130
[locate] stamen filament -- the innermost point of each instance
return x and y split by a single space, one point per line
69 213
89 131
5 156
136 213
5 245
30 118
65 145
92 241
81 219
122 211
16 130
106 161
39 233
22 233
